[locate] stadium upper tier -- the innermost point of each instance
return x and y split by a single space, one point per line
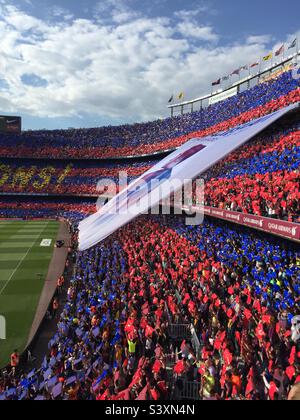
157 136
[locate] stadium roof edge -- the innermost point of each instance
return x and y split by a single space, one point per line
237 84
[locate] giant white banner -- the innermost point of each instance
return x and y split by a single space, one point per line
189 161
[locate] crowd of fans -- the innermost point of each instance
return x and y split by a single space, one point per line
262 178
234 293
157 136
239 290
242 308
33 208
60 177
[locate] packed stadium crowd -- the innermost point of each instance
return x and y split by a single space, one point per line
239 290
39 208
59 177
233 293
261 178
158 136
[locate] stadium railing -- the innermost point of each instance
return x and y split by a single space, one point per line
251 80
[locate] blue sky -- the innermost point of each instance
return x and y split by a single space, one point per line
87 63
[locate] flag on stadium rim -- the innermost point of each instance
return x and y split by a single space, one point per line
254 65
225 78
171 99
293 44
268 57
216 83
237 71
280 51
245 67
181 95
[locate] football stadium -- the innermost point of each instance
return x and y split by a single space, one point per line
156 260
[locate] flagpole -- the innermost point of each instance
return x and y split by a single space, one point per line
260 65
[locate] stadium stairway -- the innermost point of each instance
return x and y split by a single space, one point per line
181 389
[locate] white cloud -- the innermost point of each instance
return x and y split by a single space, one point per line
20 21
192 30
259 39
60 12
124 67
118 10
192 13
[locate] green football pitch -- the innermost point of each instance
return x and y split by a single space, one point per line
24 266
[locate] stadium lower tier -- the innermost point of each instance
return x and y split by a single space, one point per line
52 208
157 136
238 289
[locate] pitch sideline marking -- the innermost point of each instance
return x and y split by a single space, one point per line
20 262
